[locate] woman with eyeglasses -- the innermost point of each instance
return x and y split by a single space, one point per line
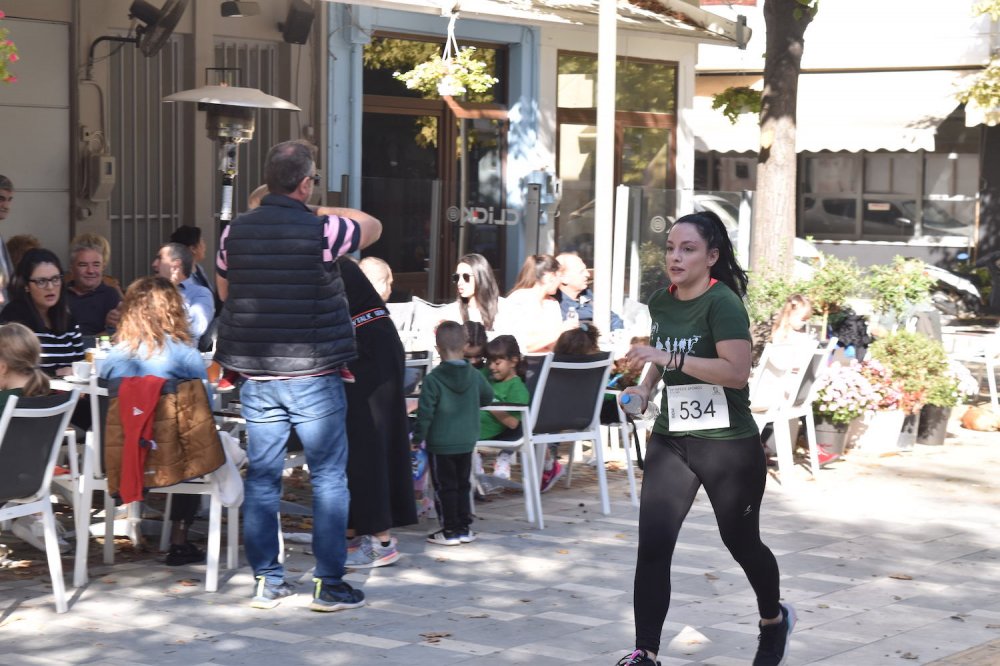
478 295
38 300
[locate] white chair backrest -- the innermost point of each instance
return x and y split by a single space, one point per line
572 394
31 432
776 380
401 315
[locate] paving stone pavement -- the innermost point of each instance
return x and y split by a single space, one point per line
888 560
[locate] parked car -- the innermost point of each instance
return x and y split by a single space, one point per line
835 216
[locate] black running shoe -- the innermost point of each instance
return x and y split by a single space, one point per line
772 642
637 658
328 598
185 553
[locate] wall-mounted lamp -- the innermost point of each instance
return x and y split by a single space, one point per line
230 121
232 9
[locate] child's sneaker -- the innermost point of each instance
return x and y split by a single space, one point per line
466 535
550 476
444 538
637 658
329 598
347 376
371 553
269 595
501 467
772 642
227 382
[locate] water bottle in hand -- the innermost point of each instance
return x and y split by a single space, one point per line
631 404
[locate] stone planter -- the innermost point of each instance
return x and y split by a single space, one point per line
877 433
908 433
831 437
933 426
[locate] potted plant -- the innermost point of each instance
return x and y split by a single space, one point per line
8 54
843 394
449 74
878 431
949 390
737 100
919 366
832 284
895 288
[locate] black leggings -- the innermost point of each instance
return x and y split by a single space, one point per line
733 473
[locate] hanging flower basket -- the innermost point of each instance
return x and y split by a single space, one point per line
737 100
8 54
450 74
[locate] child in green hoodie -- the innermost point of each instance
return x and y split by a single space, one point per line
448 420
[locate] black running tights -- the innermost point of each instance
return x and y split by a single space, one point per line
733 473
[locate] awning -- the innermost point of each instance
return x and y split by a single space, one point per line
856 111
664 17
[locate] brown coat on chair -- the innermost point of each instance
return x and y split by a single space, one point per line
981 418
187 443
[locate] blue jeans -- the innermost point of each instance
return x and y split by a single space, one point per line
316 408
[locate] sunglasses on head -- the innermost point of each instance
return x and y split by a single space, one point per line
465 277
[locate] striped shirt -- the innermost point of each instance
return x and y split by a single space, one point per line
342 234
60 350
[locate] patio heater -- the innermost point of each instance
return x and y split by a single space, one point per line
229 121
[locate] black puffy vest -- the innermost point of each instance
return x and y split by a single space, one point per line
286 313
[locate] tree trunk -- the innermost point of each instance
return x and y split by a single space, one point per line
775 202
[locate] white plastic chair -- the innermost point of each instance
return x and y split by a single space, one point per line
31 434
783 390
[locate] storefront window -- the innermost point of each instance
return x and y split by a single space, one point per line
645 86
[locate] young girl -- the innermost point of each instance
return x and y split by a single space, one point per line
21 376
705 435
475 348
503 370
791 323
19 371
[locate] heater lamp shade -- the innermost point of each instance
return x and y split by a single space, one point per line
231 96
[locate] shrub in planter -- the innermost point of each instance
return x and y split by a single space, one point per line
918 366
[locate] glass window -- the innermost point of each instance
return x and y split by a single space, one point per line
577 144
643 86
646 157
887 173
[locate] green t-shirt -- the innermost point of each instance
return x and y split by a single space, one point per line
694 327
512 391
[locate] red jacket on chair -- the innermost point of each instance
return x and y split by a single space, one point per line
137 400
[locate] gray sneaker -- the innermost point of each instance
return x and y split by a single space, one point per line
371 553
267 595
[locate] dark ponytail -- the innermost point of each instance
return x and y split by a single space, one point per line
726 270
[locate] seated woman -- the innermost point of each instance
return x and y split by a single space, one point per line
153 338
539 318
478 297
38 300
20 376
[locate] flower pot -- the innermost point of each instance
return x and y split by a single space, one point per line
933 425
878 432
831 437
908 433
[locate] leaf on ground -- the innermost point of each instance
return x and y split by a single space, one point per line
900 576
909 655
189 582
711 576
435 636
563 551
822 606
993 626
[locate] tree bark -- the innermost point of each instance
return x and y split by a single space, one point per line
775 202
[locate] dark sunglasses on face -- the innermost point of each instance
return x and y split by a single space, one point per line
465 277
